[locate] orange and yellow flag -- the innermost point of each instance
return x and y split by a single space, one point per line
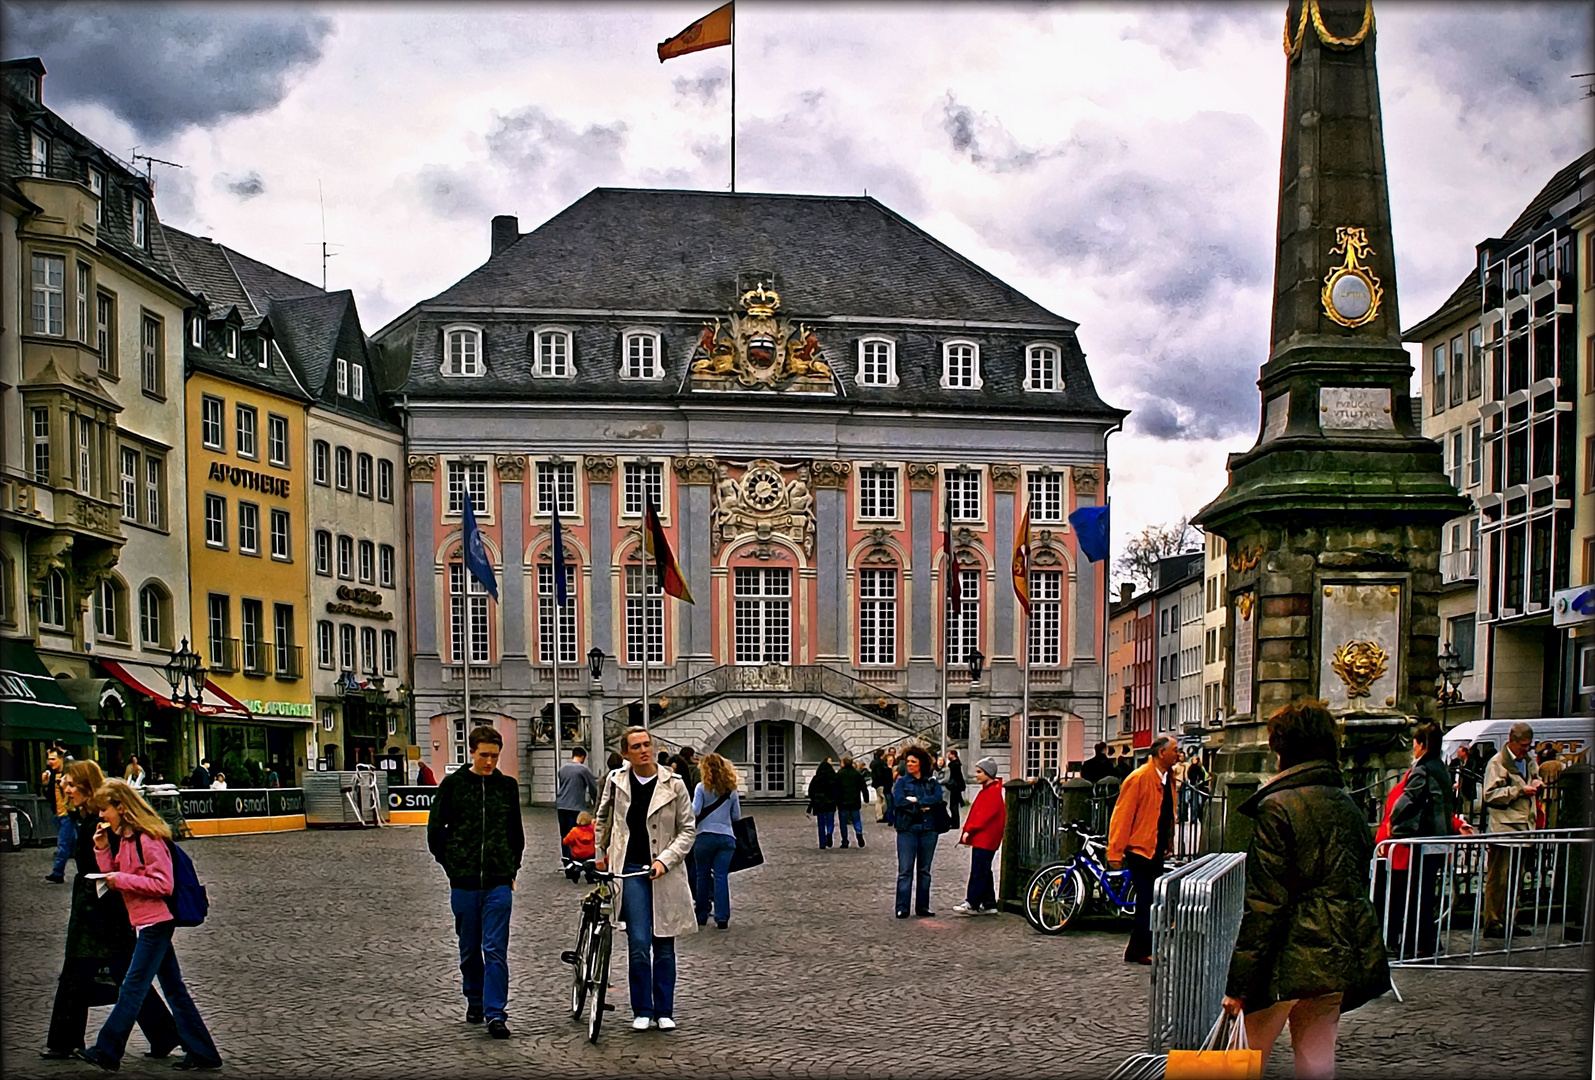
1021 561
709 32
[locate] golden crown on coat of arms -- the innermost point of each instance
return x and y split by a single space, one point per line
761 301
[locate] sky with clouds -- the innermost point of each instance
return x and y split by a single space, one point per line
1118 163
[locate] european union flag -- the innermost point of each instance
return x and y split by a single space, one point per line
476 560
1090 525
559 561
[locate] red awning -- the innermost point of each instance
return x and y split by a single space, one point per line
151 682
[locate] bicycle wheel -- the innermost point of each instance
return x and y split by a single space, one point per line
578 970
598 979
1037 886
1061 900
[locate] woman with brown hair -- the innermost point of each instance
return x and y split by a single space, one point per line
130 847
715 805
1309 946
99 941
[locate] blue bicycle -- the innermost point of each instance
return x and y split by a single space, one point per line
1059 892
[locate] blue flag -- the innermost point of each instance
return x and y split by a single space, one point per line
559 561
1091 530
476 560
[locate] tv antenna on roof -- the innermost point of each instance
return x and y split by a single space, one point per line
325 254
1589 91
148 163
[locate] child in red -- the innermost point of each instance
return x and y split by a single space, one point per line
580 842
982 832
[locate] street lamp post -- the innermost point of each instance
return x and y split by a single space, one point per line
185 671
977 663
1450 679
595 668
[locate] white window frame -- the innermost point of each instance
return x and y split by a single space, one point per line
344 566
868 375
961 484
153 366
1046 618
877 617
84 295
246 436
471 361
878 485
1043 746
52 601
390 655
1045 359
215 521
196 331
41 446
277 439
548 611
631 346
553 353
248 528
762 616
154 491
556 481
85 455
384 480
961 625
324 552
364 480
643 594
38 154
49 295
357 381
460 477
343 377
1045 495
321 463
141 222
212 418
97 186
368 650
343 468
462 586
150 616
961 380
130 483
281 536
348 658
366 562
326 645
387 562
232 343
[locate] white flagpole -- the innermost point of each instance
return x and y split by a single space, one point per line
733 110
646 605
558 611
465 604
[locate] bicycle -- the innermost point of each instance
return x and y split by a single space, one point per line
1057 893
589 960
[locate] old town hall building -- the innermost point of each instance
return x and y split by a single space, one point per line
805 386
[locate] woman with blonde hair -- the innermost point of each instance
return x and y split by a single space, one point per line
130 847
98 937
715 804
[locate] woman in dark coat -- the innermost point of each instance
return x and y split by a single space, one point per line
99 942
1423 808
822 801
1309 946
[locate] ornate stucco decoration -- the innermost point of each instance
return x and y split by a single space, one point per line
763 502
510 467
695 469
1004 477
1244 558
1310 12
758 350
831 474
879 553
1086 479
1351 293
600 468
1360 664
921 476
1243 604
422 467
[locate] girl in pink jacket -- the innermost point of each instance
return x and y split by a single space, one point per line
130 847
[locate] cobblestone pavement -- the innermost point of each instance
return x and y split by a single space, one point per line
330 953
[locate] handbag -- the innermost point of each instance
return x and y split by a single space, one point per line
747 852
941 818
1233 1060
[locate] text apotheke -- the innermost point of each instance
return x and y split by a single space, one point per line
250 479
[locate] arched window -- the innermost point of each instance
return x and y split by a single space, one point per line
549 613
552 354
462 351
52 601
152 617
1041 368
877 616
877 362
109 610
963 616
961 365
641 355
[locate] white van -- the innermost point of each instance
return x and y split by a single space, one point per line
1571 736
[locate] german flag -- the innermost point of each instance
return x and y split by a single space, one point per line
1021 561
671 581
709 32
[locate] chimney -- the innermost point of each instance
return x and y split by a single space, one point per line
506 230
1126 590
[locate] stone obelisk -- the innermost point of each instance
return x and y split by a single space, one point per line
1333 517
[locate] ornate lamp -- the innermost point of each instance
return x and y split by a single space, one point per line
595 662
1451 668
185 671
977 663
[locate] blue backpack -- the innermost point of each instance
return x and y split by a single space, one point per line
188 903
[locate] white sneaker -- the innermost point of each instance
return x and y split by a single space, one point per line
640 1023
988 911
666 1023
965 909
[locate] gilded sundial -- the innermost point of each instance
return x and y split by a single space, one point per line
1351 293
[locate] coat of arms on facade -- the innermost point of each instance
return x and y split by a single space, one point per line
1360 664
758 350
763 503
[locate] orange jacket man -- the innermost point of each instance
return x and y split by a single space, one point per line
1140 834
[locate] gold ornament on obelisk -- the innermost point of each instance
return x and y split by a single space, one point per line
1351 293
1360 664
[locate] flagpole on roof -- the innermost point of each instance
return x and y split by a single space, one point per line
733 101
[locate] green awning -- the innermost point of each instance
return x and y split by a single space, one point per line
32 703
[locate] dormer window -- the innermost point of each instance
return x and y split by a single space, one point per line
462 352
961 366
357 381
196 331
552 359
141 230
1041 368
265 351
232 343
343 377
38 155
97 185
30 88
641 356
877 362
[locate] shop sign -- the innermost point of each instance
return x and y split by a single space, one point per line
249 479
242 803
364 603
278 708
411 798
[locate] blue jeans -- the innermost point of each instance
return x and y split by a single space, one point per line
826 820
915 852
651 961
482 923
714 851
981 893
66 836
154 958
854 818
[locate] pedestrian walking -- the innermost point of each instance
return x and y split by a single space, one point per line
130 847
475 833
915 798
822 801
645 822
1511 785
425 777
1424 808
134 773
880 775
956 783
575 790
982 834
55 797
1309 947
1141 835
98 939
715 805
851 784
1098 765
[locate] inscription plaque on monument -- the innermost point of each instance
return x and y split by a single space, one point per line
1241 690
1276 416
1360 635
1355 408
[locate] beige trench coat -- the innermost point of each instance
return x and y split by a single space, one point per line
671 832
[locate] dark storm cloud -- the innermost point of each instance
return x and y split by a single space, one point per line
983 138
247 186
705 89
162 67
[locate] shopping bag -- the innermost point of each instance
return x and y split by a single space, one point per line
1220 1058
748 852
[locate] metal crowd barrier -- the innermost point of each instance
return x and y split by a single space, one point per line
1196 917
1432 896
